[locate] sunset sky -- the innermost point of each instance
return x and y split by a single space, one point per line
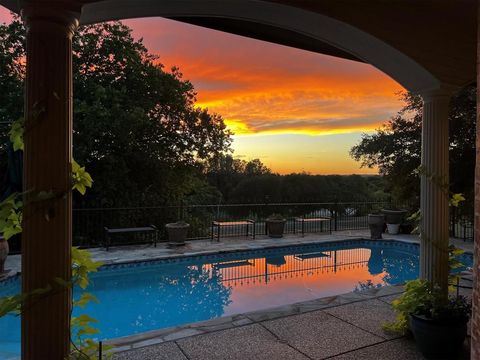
295 110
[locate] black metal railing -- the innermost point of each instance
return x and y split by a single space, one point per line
88 224
461 223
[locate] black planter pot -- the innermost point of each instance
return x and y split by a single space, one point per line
275 228
376 223
438 340
394 216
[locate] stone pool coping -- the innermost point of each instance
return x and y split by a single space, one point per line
156 337
143 253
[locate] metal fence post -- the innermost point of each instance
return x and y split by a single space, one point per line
336 215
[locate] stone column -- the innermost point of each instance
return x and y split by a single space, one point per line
47 228
475 331
434 188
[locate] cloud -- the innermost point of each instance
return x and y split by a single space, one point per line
260 87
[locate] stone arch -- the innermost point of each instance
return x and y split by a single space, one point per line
338 34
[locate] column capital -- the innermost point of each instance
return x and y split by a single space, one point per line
65 14
445 91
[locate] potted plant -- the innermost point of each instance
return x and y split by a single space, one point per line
394 218
438 325
177 232
437 321
275 224
376 223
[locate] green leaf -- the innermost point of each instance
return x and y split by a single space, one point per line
16 134
81 179
84 299
456 199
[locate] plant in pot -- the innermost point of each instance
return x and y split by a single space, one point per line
394 218
438 323
177 232
275 224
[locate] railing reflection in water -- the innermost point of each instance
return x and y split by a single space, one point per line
277 267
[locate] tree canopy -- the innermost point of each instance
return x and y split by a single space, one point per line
395 148
136 126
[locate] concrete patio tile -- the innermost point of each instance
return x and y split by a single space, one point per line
320 335
251 342
166 351
399 349
368 315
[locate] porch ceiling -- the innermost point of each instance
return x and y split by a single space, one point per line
439 35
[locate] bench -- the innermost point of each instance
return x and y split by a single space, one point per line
221 224
320 220
152 229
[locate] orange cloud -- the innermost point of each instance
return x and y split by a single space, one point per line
263 88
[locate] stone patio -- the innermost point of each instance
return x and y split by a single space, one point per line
342 327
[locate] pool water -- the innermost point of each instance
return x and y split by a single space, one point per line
143 296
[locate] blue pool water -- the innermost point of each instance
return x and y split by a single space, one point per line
143 296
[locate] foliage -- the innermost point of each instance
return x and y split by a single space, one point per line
83 325
395 148
11 216
421 298
136 126
276 217
16 134
12 72
82 263
416 296
81 178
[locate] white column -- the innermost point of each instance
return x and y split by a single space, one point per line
434 188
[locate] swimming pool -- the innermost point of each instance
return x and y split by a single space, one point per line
143 296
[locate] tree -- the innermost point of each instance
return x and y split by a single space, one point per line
395 148
225 173
136 123
136 126
12 73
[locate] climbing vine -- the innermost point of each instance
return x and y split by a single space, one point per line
11 216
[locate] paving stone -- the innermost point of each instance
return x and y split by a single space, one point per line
320 335
399 349
251 342
166 351
369 315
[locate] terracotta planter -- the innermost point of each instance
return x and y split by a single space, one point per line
275 227
177 233
375 223
4 249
